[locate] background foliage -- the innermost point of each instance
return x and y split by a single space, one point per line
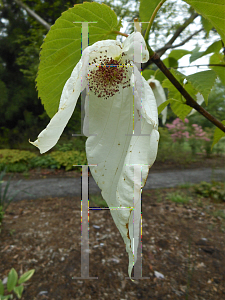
21 112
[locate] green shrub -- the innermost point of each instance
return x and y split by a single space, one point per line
15 160
173 152
69 158
65 147
11 156
219 213
76 143
165 143
177 197
21 161
4 137
214 190
97 201
44 162
219 148
16 167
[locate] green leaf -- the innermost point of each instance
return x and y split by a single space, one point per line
195 54
178 53
177 101
214 47
1 288
180 109
206 25
162 106
12 279
61 49
170 62
218 58
179 76
191 91
172 91
203 82
212 10
6 297
18 290
146 10
26 276
148 73
218 134
159 75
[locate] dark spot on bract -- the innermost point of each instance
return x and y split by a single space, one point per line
152 85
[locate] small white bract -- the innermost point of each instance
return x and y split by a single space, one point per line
159 95
200 100
115 90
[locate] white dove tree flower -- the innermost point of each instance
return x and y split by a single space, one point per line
115 90
159 95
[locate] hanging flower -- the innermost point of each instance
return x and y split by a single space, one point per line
115 90
159 95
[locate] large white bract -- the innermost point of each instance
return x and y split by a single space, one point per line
115 90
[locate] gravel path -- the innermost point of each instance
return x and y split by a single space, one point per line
60 187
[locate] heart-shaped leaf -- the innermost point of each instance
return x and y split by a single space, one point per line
61 49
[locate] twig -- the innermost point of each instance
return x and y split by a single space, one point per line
181 28
33 14
189 100
209 65
170 46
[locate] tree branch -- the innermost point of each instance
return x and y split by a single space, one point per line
167 46
33 14
176 34
189 100
181 28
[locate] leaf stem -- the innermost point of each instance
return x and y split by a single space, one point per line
120 33
189 100
152 18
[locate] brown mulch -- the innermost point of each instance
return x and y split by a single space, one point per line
185 243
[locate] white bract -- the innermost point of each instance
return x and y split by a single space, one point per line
200 100
159 95
115 90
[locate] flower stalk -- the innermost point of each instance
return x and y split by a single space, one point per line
152 19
